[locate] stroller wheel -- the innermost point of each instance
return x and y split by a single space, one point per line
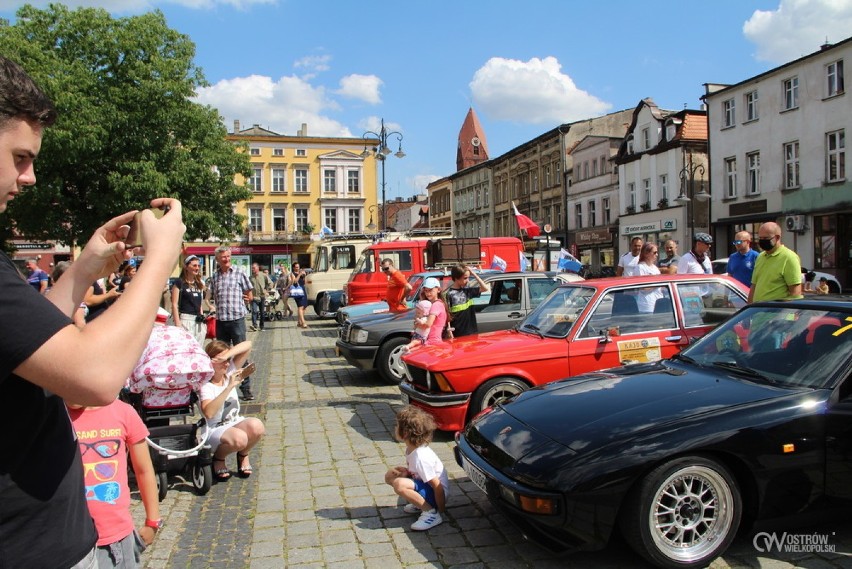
279 315
162 485
202 477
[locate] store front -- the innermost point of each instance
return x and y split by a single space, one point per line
595 248
272 257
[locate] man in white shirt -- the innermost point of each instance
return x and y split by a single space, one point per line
697 260
627 264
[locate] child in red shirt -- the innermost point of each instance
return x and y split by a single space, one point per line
106 435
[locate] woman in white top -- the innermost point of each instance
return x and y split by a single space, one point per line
647 298
229 431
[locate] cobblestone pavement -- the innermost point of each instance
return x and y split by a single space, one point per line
318 498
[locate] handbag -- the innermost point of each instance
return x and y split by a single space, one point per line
297 290
211 328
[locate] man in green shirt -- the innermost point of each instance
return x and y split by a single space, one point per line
260 286
777 270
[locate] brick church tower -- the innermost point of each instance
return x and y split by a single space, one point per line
473 148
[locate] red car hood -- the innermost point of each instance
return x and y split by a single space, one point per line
486 350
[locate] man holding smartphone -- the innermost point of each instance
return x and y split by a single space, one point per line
230 290
44 358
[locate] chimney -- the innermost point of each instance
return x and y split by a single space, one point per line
304 131
236 126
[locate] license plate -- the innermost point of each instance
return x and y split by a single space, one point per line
475 474
405 399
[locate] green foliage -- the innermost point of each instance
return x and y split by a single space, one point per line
128 130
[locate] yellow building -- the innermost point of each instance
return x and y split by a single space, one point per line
302 185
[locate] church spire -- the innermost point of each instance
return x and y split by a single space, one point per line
473 147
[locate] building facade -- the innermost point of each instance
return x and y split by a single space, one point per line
440 194
778 153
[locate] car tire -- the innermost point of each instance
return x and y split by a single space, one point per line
493 391
833 288
684 513
389 360
318 305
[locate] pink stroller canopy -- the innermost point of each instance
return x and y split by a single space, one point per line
171 367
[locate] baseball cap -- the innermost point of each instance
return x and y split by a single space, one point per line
704 238
431 282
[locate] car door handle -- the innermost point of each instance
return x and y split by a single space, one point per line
673 338
515 315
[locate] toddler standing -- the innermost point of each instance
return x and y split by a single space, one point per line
423 481
421 325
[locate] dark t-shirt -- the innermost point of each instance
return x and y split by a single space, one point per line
44 520
189 298
96 309
461 310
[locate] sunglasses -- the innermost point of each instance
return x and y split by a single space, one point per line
107 448
386 269
739 241
103 471
107 492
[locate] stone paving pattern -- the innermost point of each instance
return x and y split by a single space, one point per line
317 497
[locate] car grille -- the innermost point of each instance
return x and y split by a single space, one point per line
345 330
419 377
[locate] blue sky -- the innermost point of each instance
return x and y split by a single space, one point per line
525 67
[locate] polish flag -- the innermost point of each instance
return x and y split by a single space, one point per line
526 224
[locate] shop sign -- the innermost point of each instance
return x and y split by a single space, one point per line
750 207
649 227
668 225
593 236
31 246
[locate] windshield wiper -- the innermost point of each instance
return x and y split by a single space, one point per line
747 371
683 358
535 329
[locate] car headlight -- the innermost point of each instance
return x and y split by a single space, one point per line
359 336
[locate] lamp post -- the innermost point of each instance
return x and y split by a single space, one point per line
371 226
381 152
687 180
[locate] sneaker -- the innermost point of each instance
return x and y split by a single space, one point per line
427 520
411 509
247 395
253 328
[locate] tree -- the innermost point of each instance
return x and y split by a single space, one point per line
128 130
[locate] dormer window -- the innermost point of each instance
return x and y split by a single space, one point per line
646 138
629 149
671 128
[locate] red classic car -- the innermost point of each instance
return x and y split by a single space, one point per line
581 327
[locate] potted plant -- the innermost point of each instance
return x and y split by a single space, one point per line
663 203
646 206
308 228
631 209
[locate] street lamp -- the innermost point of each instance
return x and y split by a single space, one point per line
381 152
687 179
371 226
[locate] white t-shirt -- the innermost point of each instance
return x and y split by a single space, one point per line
689 265
643 270
210 391
628 262
426 466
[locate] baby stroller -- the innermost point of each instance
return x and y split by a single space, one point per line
163 387
270 304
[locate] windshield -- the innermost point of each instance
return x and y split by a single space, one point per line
791 347
415 281
365 262
557 314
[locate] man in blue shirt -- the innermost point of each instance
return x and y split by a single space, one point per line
37 278
741 263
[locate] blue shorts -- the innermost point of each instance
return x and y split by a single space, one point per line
425 489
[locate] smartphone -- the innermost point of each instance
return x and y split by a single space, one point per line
248 370
134 236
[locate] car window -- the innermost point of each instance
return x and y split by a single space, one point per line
401 259
539 289
342 257
556 315
505 297
708 304
631 311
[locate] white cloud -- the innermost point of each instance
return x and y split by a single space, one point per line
797 28
362 87
313 64
281 106
534 92
122 6
374 124
420 181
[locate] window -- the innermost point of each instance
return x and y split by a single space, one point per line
578 215
279 180
354 220
476 150
631 195
301 180
696 299
791 165
836 155
592 214
607 214
329 181
330 219
255 182
603 164
586 170
254 151
278 152
664 187
255 218
646 138
301 218
646 194
594 167
751 106
730 177
301 152
834 75
753 179
791 93
729 113
353 182
279 219
629 144
547 176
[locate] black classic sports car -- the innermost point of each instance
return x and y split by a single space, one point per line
752 422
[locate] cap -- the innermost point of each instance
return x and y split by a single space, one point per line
162 316
431 282
703 238
190 259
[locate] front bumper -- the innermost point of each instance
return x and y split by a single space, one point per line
362 357
449 410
